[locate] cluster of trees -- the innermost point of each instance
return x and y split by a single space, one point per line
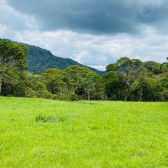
136 81
129 80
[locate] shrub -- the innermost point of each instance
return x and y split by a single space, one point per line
113 97
30 93
99 96
46 94
63 97
55 96
39 86
73 97
164 95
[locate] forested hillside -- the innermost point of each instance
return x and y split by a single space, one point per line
40 59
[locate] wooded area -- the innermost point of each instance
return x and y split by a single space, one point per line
129 80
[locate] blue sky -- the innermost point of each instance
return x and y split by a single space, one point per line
92 32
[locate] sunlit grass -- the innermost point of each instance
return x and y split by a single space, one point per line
82 134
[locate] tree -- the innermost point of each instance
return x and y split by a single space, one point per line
12 54
150 65
89 83
113 85
54 80
127 66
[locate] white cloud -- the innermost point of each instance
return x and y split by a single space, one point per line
96 51
92 50
15 20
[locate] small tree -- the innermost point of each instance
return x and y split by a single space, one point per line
12 54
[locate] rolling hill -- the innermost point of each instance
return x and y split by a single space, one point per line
41 59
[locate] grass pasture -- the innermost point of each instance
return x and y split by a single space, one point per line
42 133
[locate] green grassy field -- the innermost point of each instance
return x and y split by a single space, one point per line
82 134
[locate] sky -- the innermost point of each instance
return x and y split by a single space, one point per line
93 32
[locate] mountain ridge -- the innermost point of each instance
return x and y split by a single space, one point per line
40 59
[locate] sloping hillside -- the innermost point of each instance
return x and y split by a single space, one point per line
40 59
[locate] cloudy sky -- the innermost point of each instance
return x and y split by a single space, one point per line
92 32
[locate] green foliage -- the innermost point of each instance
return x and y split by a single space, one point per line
46 94
44 118
125 80
53 78
73 97
99 95
164 82
63 97
160 69
150 65
12 55
164 95
39 86
113 85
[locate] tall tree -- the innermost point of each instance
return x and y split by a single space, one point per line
12 54
127 66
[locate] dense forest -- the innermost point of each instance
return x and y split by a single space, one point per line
125 80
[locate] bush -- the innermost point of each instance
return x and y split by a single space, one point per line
30 93
63 97
82 97
55 97
99 96
73 97
46 94
39 87
164 95
113 97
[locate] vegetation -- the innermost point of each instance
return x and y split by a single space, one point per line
48 133
40 59
126 80
11 55
79 133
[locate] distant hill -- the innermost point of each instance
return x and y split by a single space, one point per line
41 59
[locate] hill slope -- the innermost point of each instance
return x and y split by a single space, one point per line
40 59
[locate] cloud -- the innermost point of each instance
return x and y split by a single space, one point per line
94 16
94 33
14 20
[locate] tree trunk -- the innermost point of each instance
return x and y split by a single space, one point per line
140 99
126 96
127 93
0 84
89 93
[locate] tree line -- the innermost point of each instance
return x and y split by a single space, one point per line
125 80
